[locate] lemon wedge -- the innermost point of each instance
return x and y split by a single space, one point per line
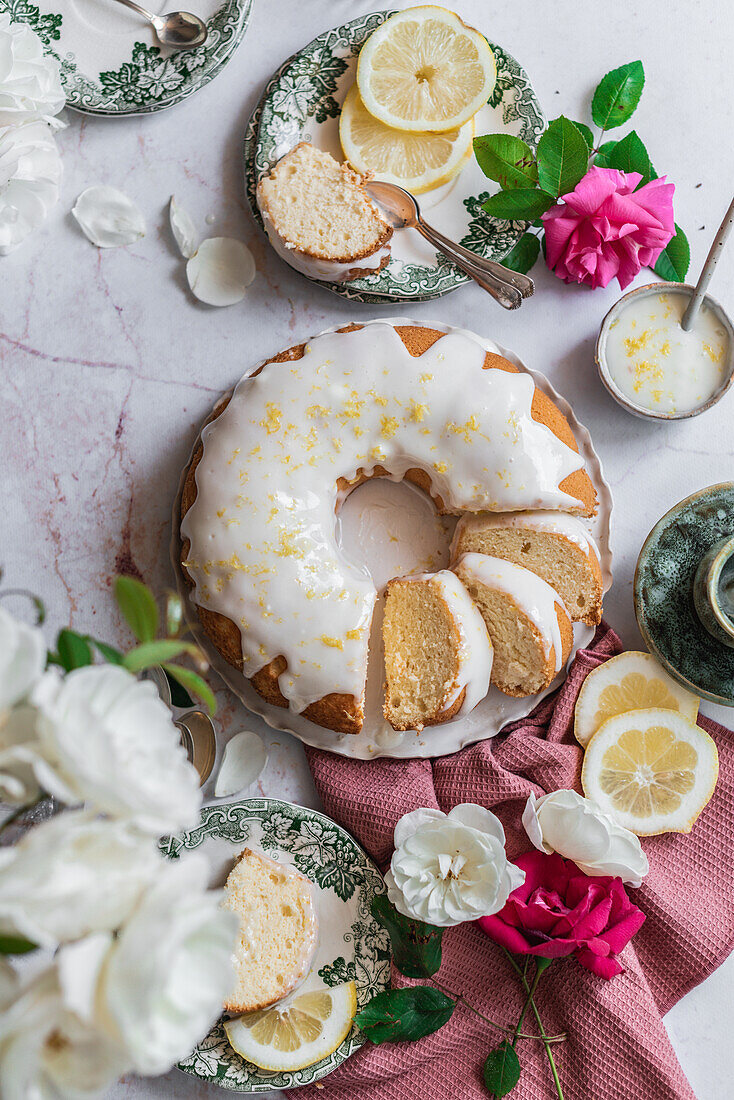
630 681
418 162
653 770
296 1033
424 69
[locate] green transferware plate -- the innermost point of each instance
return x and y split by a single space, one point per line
110 62
351 946
302 102
663 593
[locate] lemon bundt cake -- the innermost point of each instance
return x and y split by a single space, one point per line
530 630
273 590
555 546
278 930
319 218
438 656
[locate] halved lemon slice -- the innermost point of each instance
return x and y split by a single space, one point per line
418 162
653 770
296 1033
424 69
630 681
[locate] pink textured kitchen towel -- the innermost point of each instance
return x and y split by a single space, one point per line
618 1048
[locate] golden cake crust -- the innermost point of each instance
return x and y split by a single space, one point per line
337 711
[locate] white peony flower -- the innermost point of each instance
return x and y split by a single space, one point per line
22 660
108 740
47 1050
168 973
449 868
30 175
18 754
575 827
73 875
30 82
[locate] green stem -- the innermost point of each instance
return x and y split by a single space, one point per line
460 999
540 970
529 1000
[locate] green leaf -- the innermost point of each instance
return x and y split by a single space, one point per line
523 255
15 945
179 695
416 945
138 606
501 1069
617 95
630 155
192 682
506 159
586 133
398 1015
673 261
72 650
523 205
563 157
110 654
601 160
174 614
155 653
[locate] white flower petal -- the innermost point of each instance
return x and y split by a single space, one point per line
79 967
532 826
411 822
30 175
479 818
183 228
108 218
22 659
30 82
220 271
244 758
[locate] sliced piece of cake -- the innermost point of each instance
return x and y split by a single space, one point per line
525 618
554 545
278 930
319 218
438 657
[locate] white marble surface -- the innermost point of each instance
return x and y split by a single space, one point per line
107 365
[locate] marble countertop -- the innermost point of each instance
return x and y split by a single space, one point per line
107 365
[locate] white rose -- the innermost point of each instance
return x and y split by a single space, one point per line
579 830
30 175
47 1050
449 868
30 82
22 660
169 971
73 875
108 740
18 755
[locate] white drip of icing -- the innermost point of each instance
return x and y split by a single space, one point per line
529 591
264 546
315 267
475 649
558 523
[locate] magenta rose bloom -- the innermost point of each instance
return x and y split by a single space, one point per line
561 911
604 228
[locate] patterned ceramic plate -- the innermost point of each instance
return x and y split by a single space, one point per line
110 63
352 945
302 103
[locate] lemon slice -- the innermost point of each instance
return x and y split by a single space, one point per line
418 162
296 1033
424 69
653 770
630 681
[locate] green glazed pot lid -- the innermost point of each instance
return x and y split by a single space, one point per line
110 62
663 593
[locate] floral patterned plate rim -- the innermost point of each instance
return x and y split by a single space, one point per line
352 945
110 62
302 102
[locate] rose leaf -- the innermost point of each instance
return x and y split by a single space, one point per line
501 1070
587 134
523 255
416 945
15 945
138 606
193 683
563 157
601 160
72 650
506 159
523 205
673 261
400 1015
630 155
617 95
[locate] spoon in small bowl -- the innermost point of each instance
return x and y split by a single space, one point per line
507 287
178 30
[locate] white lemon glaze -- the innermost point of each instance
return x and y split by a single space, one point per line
264 539
475 649
534 595
558 523
315 267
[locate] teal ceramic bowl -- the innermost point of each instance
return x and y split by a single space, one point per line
676 552
713 591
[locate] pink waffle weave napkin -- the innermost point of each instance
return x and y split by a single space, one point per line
618 1048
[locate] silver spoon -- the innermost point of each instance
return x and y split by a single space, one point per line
708 269
179 30
506 287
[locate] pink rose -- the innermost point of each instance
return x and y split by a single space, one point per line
561 911
604 228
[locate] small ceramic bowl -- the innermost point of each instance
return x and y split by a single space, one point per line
713 591
600 355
